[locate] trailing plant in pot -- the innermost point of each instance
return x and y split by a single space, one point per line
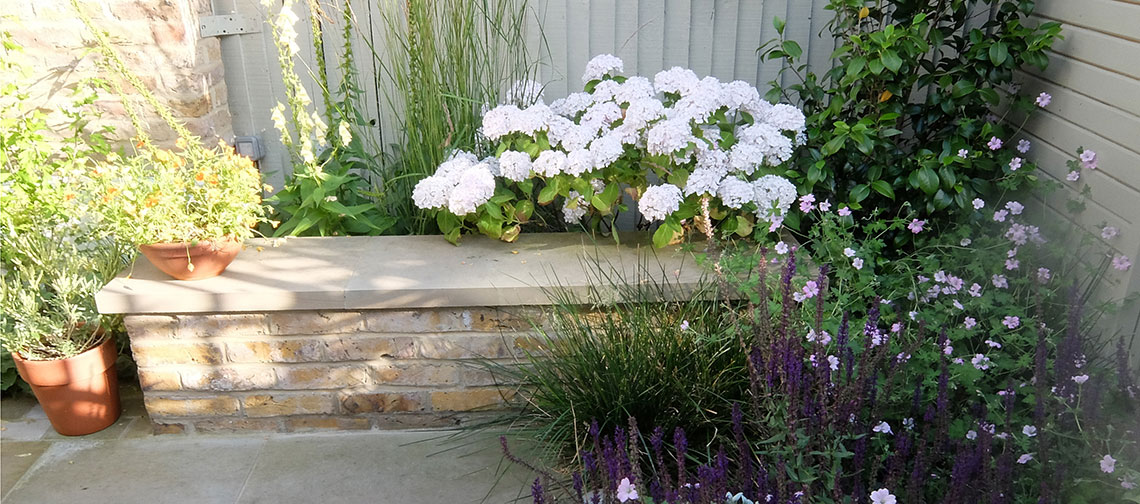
188 209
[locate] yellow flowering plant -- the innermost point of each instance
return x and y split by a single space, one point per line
187 194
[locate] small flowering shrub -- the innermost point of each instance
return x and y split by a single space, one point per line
904 115
696 154
195 192
53 256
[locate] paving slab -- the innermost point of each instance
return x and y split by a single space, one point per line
381 467
16 457
151 470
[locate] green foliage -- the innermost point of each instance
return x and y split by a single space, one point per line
912 85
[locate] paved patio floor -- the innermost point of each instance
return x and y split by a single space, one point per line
125 463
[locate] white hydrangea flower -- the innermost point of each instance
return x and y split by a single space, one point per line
602 65
558 128
669 136
774 195
573 104
550 163
675 80
605 113
574 208
606 149
759 109
735 193
786 117
712 166
604 91
497 121
578 162
659 201
745 157
737 94
700 103
633 89
525 92
515 165
455 164
578 137
476 186
775 147
644 111
432 192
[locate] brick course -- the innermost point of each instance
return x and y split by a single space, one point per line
326 370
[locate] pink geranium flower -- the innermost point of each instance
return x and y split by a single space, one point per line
994 143
916 225
1043 99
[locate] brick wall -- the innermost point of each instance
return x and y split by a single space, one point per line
318 370
159 40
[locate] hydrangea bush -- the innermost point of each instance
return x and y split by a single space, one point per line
695 153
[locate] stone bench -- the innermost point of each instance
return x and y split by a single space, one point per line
356 332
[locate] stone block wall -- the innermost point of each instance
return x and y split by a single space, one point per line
326 370
159 40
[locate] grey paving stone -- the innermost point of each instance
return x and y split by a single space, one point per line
156 471
379 467
15 459
24 429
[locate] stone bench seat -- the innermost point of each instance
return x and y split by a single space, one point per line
357 332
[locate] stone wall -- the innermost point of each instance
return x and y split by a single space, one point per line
157 38
316 370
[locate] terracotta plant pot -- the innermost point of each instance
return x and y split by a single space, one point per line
209 259
80 394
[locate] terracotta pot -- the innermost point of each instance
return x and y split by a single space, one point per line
209 259
80 394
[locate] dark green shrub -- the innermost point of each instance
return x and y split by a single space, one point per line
906 113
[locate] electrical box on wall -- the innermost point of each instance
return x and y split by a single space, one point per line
249 146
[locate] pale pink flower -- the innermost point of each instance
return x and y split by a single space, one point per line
825 206
1043 275
1073 176
1024 458
979 203
994 143
1081 379
844 212
1011 321
976 290
1015 164
882 496
1043 99
1023 146
1012 264
1088 159
1108 464
857 263
883 427
999 216
970 322
999 281
849 252
1014 207
807 202
962 153
781 248
1109 232
684 325
626 491
1029 430
1121 263
916 225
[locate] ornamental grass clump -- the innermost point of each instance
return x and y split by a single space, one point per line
696 154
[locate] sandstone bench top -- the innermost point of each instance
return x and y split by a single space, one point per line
382 272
